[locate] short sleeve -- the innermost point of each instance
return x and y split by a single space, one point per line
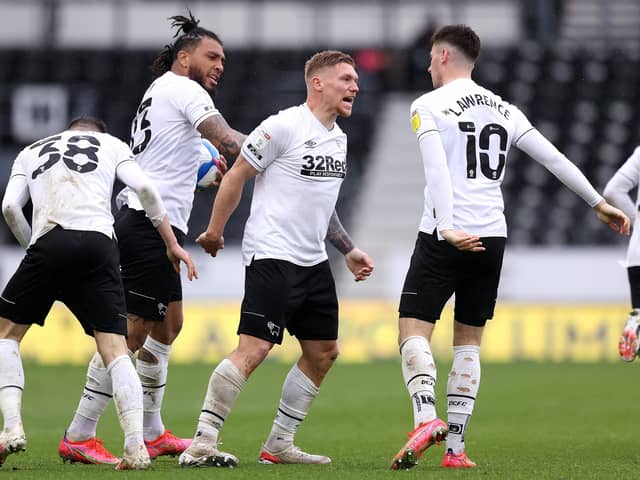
266 143
197 104
422 120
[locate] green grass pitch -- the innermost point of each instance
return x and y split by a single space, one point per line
532 421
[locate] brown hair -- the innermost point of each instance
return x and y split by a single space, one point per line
461 36
88 122
326 58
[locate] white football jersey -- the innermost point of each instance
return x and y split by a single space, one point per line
626 179
301 165
70 178
476 128
166 142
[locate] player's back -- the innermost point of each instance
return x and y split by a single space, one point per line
477 129
70 178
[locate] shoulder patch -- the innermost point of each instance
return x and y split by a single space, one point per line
261 138
415 121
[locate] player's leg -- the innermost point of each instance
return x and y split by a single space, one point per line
261 326
26 299
313 319
428 285
80 442
12 437
154 304
152 367
629 344
96 298
479 277
462 390
299 390
225 384
127 394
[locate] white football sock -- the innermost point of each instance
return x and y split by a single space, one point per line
11 383
225 384
419 372
96 395
127 394
153 377
462 389
298 393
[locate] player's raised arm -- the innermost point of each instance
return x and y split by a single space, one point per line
132 175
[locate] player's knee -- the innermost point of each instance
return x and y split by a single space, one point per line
323 359
138 329
12 331
166 332
171 333
260 352
135 342
251 358
333 353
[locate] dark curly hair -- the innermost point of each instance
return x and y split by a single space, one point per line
188 34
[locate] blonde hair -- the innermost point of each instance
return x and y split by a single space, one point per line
326 58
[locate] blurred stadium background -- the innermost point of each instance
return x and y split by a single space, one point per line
571 65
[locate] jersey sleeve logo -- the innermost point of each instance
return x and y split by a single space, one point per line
261 138
415 121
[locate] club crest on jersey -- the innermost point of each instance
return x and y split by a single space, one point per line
415 121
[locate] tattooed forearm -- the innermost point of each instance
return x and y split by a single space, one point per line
226 139
338 236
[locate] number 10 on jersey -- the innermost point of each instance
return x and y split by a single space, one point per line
478 149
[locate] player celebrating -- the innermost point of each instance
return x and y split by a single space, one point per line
299 158
175 112
464 133
617 193
72 257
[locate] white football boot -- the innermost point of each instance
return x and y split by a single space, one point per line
203 452
291 454
12 441
138 459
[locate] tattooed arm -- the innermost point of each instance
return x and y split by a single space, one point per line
358 261
338 236
227 140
